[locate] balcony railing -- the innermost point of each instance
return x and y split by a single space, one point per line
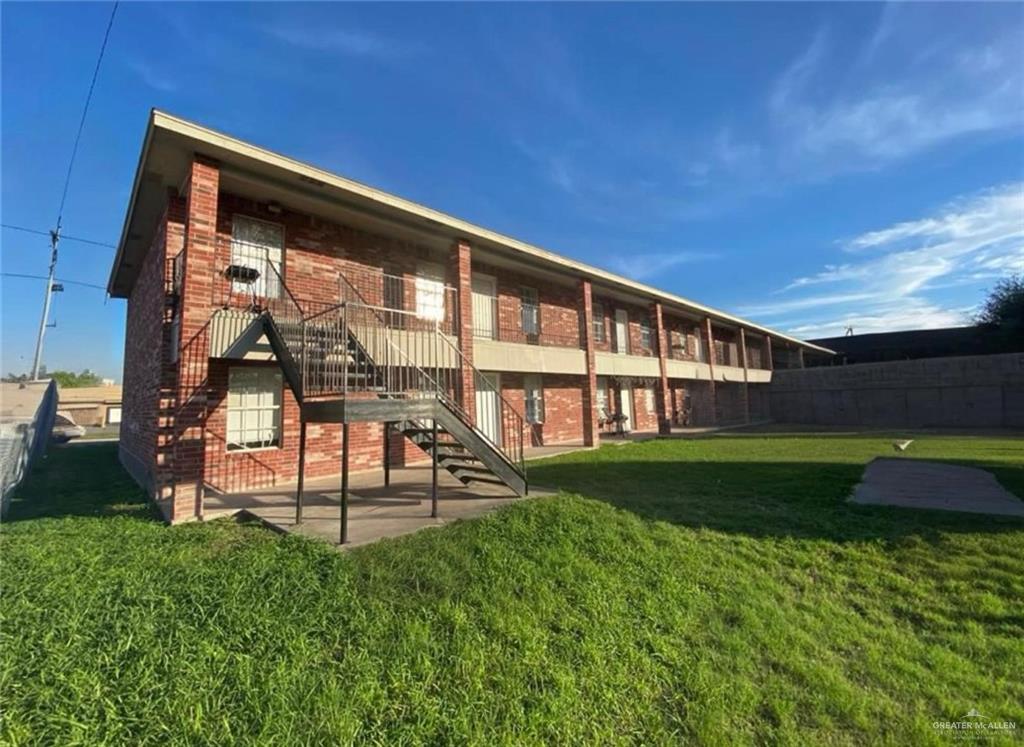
248 275
523 325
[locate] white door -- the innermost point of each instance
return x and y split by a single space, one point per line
484 304
626 404
488 406
621 331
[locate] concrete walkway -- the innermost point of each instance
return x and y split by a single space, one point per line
912 483
375 511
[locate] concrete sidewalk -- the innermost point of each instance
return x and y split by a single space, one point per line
913 483
374 511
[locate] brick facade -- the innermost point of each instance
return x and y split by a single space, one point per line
174 431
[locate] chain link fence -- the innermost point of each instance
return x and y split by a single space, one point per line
23 440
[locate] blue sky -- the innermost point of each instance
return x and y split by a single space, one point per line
810 166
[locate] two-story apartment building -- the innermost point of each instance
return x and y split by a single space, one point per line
280 315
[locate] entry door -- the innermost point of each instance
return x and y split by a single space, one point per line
626 404
488 406
621 331
484 303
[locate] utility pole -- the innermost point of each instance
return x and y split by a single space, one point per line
54 238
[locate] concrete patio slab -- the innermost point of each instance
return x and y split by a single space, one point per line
374 512
912 483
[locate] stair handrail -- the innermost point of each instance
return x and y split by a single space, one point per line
516 457
515 454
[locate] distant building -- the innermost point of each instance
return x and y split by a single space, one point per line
91 405
910 344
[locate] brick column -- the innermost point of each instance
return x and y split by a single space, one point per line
169 245
194 352
768 353
663 402
800 357
746 376
711 367
460 267
591 434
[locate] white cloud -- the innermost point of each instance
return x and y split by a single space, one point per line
346 41
822 127
152 77
911 274
644 266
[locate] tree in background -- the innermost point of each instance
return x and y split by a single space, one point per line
1003 310
68 379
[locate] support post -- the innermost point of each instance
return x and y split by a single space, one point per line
711 368
387 454
302 471
663 400
344 483
433 467
591 433
746 376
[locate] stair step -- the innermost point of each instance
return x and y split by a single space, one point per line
462 455
488 480
430 432
472 468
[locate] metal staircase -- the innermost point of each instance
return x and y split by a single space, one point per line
357 362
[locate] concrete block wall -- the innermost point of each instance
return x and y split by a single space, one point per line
985 391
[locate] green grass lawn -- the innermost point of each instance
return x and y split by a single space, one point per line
718 591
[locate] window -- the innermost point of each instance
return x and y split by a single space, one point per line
598 322
531 311
254 408
533 394
649 397
430 292
602 397
258 245
646 334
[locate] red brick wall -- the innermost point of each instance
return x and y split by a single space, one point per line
636 315
559 307
563 408
646 417
315 252
146 354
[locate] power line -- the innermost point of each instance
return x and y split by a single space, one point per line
63 236
57 280
55 233
85 111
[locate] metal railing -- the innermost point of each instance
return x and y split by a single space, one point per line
413 357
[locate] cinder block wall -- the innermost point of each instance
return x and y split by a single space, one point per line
982 391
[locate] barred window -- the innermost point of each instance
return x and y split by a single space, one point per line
258 245
533 394
646 334
598 322
531 310
254 408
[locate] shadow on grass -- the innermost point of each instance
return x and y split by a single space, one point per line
759 499
81 479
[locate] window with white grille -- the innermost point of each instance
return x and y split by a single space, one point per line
258 245
646 333
533 393
649 397
598 322
531 310
254 408
430 292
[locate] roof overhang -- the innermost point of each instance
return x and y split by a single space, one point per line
171 143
